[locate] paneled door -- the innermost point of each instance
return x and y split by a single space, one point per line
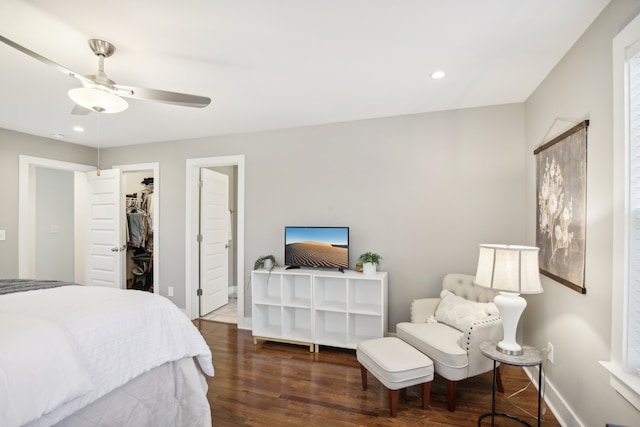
214 239
105 248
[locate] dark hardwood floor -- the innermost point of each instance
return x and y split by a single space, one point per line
274 384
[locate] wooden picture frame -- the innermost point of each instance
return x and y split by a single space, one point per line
561 201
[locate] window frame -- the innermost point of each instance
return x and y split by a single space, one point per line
623 381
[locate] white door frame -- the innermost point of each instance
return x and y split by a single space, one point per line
191 231
155 167
27 208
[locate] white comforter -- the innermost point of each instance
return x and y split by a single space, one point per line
63 348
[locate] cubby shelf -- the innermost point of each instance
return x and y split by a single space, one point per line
315 307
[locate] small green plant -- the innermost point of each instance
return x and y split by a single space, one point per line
261 261
371 257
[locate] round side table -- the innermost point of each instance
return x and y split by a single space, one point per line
531 357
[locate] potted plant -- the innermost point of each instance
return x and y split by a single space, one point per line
369 262
265 261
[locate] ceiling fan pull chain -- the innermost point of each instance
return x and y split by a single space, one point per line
99 130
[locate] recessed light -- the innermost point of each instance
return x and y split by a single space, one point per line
438 75
78 128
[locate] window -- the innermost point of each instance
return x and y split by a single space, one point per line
631 346
624 365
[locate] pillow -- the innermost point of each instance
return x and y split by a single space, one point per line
460 313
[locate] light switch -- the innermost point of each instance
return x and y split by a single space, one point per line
3 235
54 228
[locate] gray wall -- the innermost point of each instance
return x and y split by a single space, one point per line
579 326
422 190
12 145
54 225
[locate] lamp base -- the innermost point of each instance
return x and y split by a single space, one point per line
510 307
510 350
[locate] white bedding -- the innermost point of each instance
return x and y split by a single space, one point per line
116 335
40 368
170 395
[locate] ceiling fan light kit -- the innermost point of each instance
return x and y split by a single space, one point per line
103 95
98 100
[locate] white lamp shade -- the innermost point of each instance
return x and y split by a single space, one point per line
512 270
98 100
509 268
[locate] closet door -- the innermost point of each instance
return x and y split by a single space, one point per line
105 248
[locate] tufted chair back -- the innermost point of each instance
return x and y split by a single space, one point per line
462 285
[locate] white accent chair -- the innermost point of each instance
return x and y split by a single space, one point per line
450 329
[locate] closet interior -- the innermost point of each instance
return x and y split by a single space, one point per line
139 230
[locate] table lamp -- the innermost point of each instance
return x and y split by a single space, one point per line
512 270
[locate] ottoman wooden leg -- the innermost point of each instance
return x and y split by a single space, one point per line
426 394
363 374
393 402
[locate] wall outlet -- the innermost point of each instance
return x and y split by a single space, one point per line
170 291
550 352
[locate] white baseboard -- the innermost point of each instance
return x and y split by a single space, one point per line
554 401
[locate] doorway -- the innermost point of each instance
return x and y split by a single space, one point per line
138 187
27 246
54 231
27 229
192 230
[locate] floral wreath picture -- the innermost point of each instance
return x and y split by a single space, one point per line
561 179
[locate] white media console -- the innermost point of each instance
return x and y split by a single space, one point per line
316 307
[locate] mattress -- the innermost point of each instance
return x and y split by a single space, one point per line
66 348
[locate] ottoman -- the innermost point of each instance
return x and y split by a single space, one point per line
396 365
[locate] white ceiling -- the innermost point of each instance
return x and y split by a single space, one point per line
271 64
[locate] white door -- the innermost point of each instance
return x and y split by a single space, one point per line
104 234
214 231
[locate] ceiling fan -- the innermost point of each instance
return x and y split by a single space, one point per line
101 94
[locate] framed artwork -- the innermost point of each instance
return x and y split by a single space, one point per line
561 202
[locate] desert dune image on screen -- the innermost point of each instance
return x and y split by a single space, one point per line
317 247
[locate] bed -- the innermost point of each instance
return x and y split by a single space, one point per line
73 355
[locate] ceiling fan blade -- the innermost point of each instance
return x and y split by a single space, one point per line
45 60
79 110
166 97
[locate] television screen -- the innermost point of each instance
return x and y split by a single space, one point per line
324 247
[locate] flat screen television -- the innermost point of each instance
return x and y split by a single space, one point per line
318 247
